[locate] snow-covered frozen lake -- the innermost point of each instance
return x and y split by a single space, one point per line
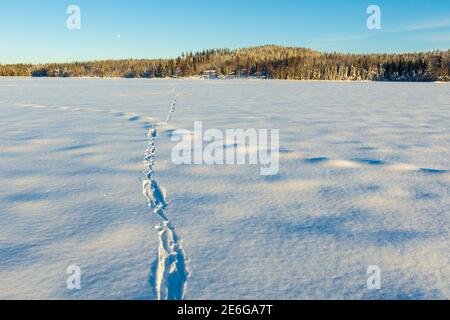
364 180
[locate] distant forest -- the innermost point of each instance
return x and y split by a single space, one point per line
268 62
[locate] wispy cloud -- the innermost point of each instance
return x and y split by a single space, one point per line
430 25
437 37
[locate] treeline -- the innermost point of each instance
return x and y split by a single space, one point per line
271 62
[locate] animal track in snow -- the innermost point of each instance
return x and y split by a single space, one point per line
171 268
130 116
171 272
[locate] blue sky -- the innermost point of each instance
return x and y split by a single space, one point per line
35 31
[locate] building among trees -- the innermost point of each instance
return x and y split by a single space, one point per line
271 62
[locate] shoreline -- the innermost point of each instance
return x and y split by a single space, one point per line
199 78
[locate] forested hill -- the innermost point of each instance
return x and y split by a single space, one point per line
272 62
